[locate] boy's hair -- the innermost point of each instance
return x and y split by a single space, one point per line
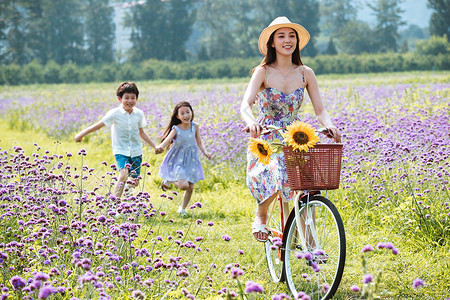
127 87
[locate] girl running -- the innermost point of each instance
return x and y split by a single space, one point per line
181 165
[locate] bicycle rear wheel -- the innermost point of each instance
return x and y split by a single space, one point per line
273 246
316 270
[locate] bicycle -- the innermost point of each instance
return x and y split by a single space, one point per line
308 250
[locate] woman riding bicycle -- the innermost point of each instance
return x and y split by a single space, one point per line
277 86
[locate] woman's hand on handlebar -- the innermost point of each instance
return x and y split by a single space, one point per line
332 132
254 129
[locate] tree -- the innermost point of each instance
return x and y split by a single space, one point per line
434 46
336 14
331 48
180 19
99 30
147 30
160 29
14 33
357 37
229 32
388 16
306 13
440 18
54 30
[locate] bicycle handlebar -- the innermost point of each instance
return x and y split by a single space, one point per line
325 131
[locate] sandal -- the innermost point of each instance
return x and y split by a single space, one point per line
321 259
257 227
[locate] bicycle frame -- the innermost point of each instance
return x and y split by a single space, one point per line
309 221
297 200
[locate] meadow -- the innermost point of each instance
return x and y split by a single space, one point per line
63 236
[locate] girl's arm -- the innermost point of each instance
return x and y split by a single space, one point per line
166 142
199 142
249 99
92 128
319 109
147 139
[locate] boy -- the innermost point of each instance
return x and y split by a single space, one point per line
127 123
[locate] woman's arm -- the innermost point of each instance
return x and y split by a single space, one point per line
88 130
319 109
199 142
166 142
249 99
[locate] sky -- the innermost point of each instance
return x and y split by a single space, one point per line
416 12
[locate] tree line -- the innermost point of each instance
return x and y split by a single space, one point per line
82 32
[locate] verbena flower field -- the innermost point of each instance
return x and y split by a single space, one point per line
64 236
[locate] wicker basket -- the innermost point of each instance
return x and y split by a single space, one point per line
317 169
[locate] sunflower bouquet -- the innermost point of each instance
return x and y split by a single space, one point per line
299 135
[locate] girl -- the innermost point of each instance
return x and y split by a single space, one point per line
182 165
279 84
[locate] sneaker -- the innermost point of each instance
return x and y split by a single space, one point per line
165 185
181 211
128 190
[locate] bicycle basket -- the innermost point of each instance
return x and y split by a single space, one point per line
317 169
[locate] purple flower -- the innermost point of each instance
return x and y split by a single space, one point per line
367 248
253 287
41 276
236 272
46 292
226 238
280 297
17 282
355 288
417 283
183 273
367 278
137 294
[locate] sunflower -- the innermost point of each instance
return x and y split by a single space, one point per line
300 135
260 149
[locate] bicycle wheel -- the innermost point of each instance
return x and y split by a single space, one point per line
273 246
316 270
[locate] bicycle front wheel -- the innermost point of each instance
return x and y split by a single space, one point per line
314 255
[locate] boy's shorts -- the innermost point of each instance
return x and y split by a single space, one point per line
135 162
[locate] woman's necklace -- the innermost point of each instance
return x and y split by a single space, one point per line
285 76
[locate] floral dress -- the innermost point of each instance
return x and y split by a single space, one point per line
278 109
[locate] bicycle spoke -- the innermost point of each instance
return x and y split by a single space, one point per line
315 267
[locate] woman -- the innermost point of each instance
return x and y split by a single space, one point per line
278 84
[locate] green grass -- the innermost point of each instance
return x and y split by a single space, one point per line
231 208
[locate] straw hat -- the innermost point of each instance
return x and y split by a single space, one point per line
280 22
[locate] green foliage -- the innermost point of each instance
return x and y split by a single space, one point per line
388 14
440 19
99 30
434 46
70 73
52 72
160 29
225 68
12 74
331 48
33 72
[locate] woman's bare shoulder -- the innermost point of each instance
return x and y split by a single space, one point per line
309 73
